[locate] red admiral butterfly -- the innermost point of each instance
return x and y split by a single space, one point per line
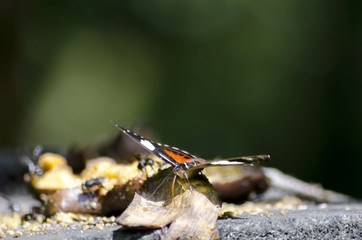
184 162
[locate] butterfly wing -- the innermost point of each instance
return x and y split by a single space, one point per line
171 155
234 161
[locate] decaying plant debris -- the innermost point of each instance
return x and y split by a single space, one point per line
143 188
237 183
101 188
105 187
137 188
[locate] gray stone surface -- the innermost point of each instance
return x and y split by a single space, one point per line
332 222
323 221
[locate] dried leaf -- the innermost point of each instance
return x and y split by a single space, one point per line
73 200
192 213
237 183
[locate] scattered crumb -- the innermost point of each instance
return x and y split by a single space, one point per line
100 225
64 218
91 220
18 234
51 221
283 212
252 208
85 227
302 207
72 220
10 221
64 225
10 232
93 205
112 219
323 206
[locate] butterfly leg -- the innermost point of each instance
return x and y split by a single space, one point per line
187 178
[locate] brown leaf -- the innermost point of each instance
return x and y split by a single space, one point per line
73 200
192 213
237 183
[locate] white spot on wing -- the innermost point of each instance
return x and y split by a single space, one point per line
147 144
225 162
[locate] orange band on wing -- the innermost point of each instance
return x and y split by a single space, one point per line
179 157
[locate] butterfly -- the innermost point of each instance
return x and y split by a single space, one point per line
184 163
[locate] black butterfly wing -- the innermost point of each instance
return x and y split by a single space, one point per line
234 161
171 155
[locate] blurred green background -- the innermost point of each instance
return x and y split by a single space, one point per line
217 78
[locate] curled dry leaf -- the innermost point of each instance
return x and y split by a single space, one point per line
192 213
73 200
237 183
77 201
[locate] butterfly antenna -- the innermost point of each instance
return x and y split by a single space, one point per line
153 193
115 124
